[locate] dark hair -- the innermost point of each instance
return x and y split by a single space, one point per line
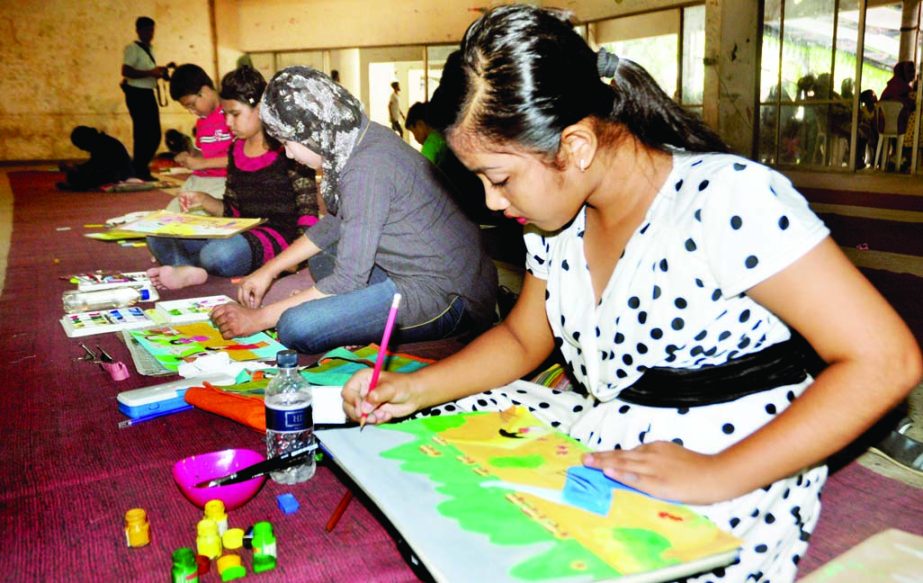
395 85
177 141
84 137
188 79
447 99
530 75
244 84
905 70
418 112
144 22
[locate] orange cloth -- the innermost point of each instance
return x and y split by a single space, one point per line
245 409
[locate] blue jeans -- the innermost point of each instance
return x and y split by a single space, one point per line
358 317
223 257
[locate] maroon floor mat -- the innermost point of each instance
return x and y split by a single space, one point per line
857 503
70 474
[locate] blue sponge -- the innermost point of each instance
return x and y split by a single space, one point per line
591 489
287 503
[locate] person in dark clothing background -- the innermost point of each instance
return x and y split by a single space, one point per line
109 161
141 73
504 240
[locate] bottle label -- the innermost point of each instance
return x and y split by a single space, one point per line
267 549
282 420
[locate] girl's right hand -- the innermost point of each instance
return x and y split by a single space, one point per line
189 199
253 289
395 396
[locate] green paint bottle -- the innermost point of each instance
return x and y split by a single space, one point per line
264 547
185 569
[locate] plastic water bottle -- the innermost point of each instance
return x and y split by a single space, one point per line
289 419
119 297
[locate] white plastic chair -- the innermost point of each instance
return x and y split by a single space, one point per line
889 111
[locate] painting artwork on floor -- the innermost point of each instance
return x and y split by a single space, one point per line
505 476
171 345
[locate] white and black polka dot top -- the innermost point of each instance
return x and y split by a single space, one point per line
719 225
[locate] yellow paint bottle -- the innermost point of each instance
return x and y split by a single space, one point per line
214 510
137 528
208 541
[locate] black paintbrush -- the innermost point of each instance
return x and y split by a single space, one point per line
281 462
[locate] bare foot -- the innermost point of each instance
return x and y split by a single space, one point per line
170 277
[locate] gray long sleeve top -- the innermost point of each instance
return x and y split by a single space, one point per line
395 212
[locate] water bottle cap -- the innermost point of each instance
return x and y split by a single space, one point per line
287 359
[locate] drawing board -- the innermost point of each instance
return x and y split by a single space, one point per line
478 496
187 225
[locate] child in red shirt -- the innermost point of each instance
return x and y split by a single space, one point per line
193 89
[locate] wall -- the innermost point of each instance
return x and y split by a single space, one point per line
60 59
227 36
346 61
60 62
597 9
294 24
278 25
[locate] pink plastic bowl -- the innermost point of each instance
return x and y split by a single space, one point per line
207 466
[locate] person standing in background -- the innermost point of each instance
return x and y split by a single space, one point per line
394 110
140 72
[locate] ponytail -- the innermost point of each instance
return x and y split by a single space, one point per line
530 75
651 115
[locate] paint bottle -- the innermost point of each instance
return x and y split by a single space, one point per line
184 569
264 547
214 510
233 540
208 542
137 529
230 567
120 297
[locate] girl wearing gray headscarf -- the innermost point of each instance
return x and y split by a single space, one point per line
392 228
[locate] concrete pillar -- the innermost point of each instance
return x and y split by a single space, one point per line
910 26
732 39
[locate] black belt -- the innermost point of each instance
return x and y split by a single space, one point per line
786 363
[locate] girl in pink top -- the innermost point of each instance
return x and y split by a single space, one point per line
261 182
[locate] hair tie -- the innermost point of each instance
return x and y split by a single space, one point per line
606 63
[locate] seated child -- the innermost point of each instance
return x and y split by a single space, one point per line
109 161
191 86
178 143
392 227
261 182
434 146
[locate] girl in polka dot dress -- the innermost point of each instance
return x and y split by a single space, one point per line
677 281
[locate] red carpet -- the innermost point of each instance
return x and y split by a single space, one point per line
857 503
70 474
